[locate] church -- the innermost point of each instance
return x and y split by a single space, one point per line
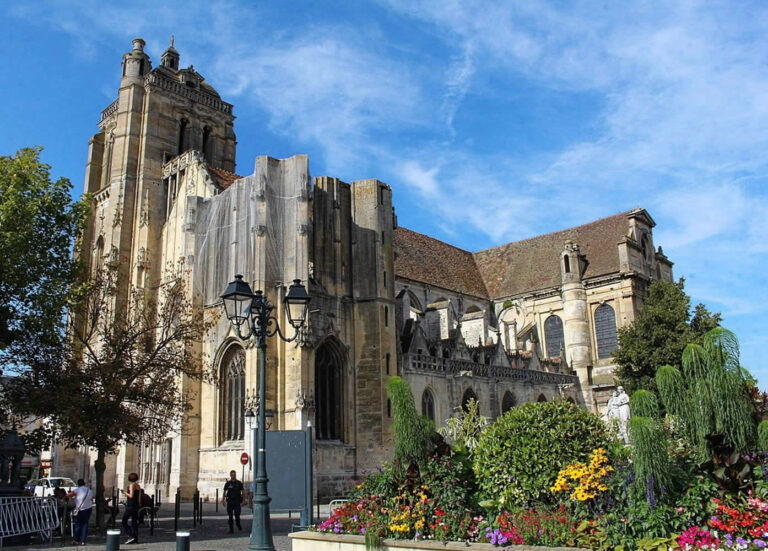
530 320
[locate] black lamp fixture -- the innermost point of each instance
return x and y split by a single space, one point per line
242 305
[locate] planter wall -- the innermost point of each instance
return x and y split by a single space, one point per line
317 541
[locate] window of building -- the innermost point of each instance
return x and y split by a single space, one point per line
605 331
328 390
469 394
428 404
553 334
567 264
389 359
386 316
232 401
507 403
541 398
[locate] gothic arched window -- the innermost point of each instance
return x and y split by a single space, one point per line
507 403
553 334
605 331
428 404
469 394
328 391
232 403
541 398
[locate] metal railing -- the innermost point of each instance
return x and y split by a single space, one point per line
28 515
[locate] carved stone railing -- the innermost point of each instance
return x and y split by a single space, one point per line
110 110
156 80
181 161
422 363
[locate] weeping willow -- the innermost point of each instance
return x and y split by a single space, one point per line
709 397
762 436
412 443
649 456
644 404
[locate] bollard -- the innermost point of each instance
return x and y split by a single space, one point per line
182 541
200 511
217 500
195 503
152 517
113 540
176 511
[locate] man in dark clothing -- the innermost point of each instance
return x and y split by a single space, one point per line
233 497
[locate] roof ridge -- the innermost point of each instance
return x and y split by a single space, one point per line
527 239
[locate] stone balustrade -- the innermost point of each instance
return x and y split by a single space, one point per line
198 96
423 363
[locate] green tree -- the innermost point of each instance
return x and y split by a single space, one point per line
39 223
412 434
119 381
659 334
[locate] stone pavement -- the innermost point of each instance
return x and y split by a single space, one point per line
210 536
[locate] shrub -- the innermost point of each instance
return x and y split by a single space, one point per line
644 404
650 457
519 457
412 437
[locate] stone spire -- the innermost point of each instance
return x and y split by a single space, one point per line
170 57
136 63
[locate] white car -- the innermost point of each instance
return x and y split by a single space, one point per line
46 486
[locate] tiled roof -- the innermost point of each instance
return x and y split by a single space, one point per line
511 269
425 259
533 264
223 178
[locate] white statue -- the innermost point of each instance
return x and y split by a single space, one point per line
610 412
622 414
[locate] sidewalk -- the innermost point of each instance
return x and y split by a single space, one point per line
212 535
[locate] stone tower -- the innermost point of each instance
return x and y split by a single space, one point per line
161 117
576 322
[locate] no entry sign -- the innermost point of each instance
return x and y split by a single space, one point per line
244 458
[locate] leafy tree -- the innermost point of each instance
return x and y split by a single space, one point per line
119 382
38 226
412 434
659 334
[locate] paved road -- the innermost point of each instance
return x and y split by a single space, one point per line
212 535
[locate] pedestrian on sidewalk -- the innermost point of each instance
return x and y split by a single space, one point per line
82 511
234 499
132 509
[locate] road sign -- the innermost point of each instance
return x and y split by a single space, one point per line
244 458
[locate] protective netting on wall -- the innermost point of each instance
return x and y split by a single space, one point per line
258 227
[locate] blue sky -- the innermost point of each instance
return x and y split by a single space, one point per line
492 121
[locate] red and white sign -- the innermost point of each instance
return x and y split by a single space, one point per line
244 458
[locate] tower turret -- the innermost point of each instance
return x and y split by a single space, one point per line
170 57
136 63
576 322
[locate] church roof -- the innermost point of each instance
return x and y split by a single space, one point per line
223 178
422 258
511 269
534 263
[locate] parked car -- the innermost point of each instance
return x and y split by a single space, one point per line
45 486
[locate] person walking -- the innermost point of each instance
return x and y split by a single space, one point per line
82 511
233 498
131 513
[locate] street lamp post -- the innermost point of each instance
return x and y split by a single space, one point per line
242 306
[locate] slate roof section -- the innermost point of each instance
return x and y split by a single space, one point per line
223 178
422 258
512 269
534 263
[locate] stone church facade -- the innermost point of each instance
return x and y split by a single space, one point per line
531 320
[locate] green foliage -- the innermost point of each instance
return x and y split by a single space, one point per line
649 456
518 457
669 380
659 334
711 400
644 404
465 429
412 437
762 436
38 226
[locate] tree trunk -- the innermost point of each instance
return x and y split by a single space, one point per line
100 467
